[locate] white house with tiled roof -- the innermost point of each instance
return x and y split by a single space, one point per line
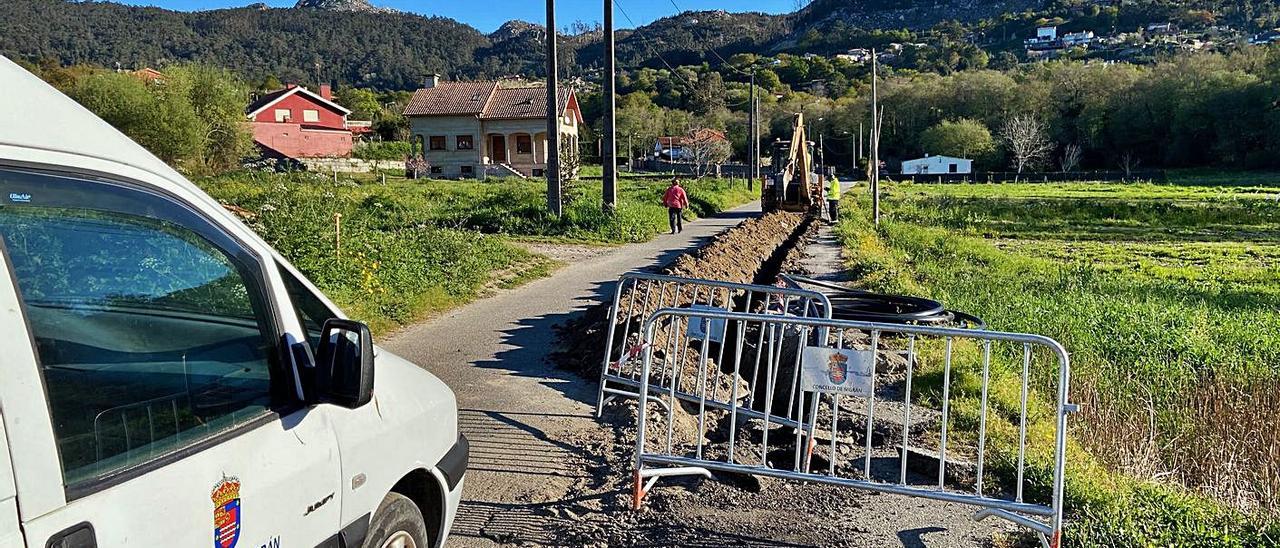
477 129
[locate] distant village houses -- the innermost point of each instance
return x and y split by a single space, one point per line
856 55
149 75
1048 40
680 149
478 129
1270 37
296 122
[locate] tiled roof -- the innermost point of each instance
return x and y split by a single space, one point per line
524 102
265 100
271 98
697 134
483 99
451 99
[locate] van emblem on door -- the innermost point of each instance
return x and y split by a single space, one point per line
226 512
19 198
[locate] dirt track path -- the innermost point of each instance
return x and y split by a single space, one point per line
545 472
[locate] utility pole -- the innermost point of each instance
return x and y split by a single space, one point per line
555 203
858 155
853 165
610 153
752 156
755 140
875 141
822 156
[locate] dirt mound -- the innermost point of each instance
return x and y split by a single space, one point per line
752 250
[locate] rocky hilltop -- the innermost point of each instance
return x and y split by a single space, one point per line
342 5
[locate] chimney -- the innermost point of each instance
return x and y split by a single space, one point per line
326 91
433 80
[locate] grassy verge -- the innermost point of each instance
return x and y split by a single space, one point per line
1166 295
407 249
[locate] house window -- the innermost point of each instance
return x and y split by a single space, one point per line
524 144
954 168
436 170
468 170
466 142
282 115
310 115
539 173
437 142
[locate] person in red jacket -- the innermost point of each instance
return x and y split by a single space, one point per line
676 200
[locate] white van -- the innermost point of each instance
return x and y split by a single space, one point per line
167 379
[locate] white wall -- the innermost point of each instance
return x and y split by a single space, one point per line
935 165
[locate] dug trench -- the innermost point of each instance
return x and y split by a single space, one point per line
741 509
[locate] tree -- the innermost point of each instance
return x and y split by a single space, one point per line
269 83
570 161
708 95
1024 136
1128 163
217 97
163 123
707 148
769 80
964 137
1070 157
193 118
363 103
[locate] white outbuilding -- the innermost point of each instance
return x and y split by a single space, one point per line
937 165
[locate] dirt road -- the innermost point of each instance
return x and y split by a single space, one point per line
545 472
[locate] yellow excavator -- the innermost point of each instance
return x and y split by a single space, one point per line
793 186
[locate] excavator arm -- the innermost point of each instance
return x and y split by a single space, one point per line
793 186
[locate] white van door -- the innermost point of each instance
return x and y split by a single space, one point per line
156 334
10 533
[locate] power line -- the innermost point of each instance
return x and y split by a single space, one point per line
656 52
713 51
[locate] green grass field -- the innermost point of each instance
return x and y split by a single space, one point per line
1167 297
412 248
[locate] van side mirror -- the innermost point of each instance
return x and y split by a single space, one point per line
344 364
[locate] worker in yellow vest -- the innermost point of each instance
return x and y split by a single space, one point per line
833 197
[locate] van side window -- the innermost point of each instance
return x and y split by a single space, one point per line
312 311
151 325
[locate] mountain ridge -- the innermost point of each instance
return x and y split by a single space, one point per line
354 42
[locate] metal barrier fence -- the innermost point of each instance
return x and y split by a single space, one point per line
645 294
831 401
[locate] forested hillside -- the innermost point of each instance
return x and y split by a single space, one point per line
386 50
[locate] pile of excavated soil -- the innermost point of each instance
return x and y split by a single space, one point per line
738 255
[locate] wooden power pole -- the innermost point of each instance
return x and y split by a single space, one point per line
610 153
875 141
752 155
555 202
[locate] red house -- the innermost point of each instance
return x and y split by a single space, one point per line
297 123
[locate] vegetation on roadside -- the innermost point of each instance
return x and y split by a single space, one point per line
192 118
407 249
1167 298
382 150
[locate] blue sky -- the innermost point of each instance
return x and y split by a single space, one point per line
488 15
